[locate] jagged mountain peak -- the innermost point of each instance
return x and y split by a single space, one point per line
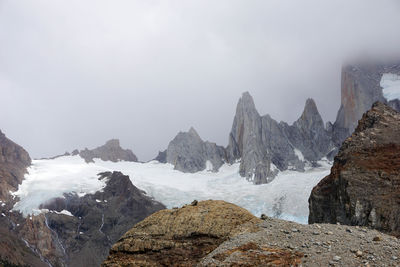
246 104
192 131
310 118
113 143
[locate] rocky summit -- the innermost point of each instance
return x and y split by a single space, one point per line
217 233
110 151
265 146
189 153
363 187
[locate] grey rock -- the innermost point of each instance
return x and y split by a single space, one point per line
162 156
189 153
111 151
262 144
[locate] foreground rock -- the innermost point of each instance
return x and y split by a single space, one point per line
189 153
364 185
111 151
265 146
216 233
180 237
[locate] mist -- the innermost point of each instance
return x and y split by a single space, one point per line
74 74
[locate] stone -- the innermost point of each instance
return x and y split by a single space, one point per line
363 187
359 253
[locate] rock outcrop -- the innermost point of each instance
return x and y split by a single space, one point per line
14 161
79 231
180 237
215 233
364 185
189 153
265 146
111 151
359 90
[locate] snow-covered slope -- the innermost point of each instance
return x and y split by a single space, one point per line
285 197
391 86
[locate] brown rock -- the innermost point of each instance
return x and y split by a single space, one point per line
13 163
363 187
180 237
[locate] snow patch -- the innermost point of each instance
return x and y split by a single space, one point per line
209 166
390 84
285 197
299 154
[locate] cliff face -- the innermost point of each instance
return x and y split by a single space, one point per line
14 161
189 153
364 185
359 90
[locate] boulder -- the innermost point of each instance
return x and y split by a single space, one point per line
180 237
363 187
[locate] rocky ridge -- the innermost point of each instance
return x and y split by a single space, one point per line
79 231
110 151
189 153
363 187
216 233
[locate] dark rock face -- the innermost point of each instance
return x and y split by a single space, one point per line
260 141
180 237
14 161
359 90
364 185
189 153
111 151
98 221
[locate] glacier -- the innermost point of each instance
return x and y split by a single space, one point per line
285 197
391 86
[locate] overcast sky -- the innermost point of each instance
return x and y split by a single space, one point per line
75 73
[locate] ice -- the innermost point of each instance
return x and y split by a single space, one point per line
299 154
285 197
391 86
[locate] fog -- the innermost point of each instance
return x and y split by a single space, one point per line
74 74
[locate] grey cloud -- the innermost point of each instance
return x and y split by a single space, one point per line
75 73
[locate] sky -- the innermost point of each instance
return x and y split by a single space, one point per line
74 73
